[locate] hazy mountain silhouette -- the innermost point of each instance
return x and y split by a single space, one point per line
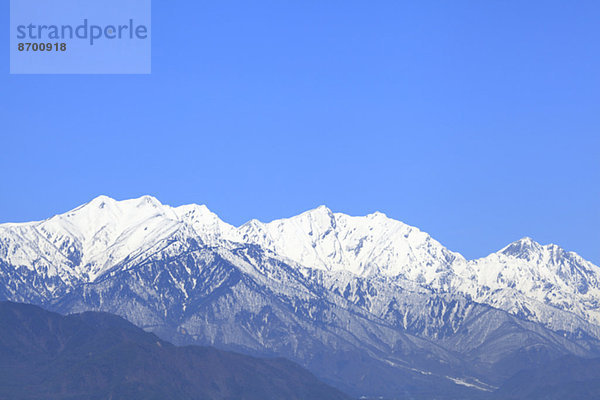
567 378
93 355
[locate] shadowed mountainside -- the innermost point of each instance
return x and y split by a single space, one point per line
567 378
93 355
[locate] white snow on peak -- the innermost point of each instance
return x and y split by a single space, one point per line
89 240
522 247
98 234
373 244
95 236
526 272
92 238
206 224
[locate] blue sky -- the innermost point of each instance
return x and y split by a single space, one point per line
477 121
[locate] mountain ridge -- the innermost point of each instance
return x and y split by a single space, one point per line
318 238
101 356
335 293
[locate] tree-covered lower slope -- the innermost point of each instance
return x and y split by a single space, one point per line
567 378
93 355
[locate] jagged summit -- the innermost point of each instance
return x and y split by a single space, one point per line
322 208
103 201
319 216
377 214
523 247
320 280
319 237
88 241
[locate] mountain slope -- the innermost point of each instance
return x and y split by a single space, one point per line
248 301
99 356
369 304
364 246
526 279
568 378
525 275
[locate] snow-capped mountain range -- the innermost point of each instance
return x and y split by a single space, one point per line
84 243
318 283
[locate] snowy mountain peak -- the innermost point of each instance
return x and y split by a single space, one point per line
149 201
102 199
368 245
111 208
321 214
206 224
377 214
543 283
525 274
322 208
90 240
522 248
194 212
381 284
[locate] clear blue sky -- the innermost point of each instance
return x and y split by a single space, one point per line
477 121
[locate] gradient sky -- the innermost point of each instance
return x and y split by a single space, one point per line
477 121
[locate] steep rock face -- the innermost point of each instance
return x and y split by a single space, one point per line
368 303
